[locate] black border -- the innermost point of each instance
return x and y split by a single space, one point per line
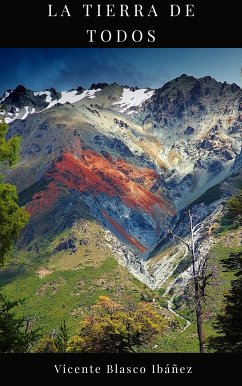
31 369
215 24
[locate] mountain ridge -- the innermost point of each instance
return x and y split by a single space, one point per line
135 157
50 96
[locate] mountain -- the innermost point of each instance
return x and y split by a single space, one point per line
113 168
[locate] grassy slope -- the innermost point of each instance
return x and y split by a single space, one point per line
63 285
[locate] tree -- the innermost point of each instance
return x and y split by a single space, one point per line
200 276
114 328
16 334
234 209
62 338
229 322
12 217
9 150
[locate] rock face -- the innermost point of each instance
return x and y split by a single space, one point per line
21 97
132 159
65 245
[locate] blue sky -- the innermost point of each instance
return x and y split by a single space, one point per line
66 68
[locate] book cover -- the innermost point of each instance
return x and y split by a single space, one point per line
120 191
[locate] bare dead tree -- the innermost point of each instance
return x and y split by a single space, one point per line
200 277
197 297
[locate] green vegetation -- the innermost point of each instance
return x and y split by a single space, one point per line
59 295
61 340
233 217
209 196
63 286
235 210
229 322
16 333
12 217
26 195
113 328
173 341
56 342
182 266
9 149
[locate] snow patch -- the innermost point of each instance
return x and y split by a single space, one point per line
134 98
66 96
73 96
9 120
26 112
5 95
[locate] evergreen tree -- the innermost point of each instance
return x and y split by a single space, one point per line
229 321
9 149
234 212
12 217
16 334
62 338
